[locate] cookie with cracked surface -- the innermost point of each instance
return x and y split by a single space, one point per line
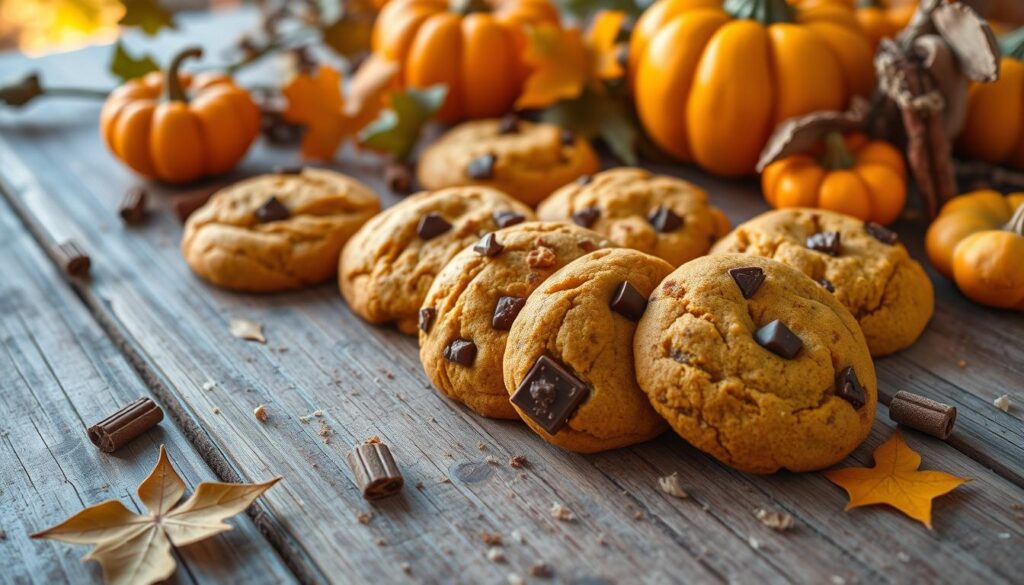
387 268
660 215
527 160
276 232
571 376
755 363
872 274
477 297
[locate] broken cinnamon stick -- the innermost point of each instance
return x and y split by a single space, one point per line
118 429
375 470
72 259
132 208
923 414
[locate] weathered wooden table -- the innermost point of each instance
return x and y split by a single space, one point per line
144 325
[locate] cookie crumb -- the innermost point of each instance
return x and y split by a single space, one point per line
1002 403
540 570
260 412
518 536
318 413
406 568
837 580
215 410
480 445
601 540
780 521
304 419
903 557
419 485
518 462
381 542
445 479
562 513
490 538
671 485
754 543
364 517
491 460
961 364
514 579
638 515
496 555
209 385
3 534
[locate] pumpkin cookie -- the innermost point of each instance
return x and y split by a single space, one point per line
751 361
276 232
571 375
656 214
387 267
869 271
475 299
527 160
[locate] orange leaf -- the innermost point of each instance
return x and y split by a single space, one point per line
895 481
315 101
559 64
602 40
369 89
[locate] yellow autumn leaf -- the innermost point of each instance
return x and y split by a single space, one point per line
136 548
559 66
895 481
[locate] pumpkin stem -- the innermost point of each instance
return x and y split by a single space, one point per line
172 84
1012 44
766 12
1016 224
837 155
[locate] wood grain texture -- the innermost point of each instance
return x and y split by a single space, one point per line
368 381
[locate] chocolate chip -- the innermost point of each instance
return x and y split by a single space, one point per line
827 242
848 387
506 311
481 168
427 316
584 180
272 210
827 285
549 395
628 302
488 246
568 138
748 279
461 352
586 216
778 339
881 233
665 220
432 225
505 218
288 170
509 124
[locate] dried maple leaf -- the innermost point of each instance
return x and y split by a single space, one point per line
559 63
135 548
896 481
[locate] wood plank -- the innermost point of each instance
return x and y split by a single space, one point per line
60 373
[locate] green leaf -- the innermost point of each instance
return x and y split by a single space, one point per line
1012 44
581 9
147 15
126 66
397 129
603 115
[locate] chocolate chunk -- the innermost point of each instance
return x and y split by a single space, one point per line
509 124
665 220
827 242
72 259
427 316
132 208
461 351
398 178
505 218
506 311
778 339
375 471
481 168
881 233
923 414
432 225
289 170
848 387
118 429
549 395
488 246
628 302
584 180
827 285
586 216
568 137
272 210
748 279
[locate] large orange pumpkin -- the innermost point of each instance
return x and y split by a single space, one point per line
994 128
712 78
475 50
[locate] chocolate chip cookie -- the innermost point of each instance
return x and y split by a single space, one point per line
755 363
388 266
475 300
527 160
276 232
571 375
664 216
863 265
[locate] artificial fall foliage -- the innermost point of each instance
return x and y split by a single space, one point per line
895 480
136 548
398 128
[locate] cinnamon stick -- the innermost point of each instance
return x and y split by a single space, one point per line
72 258
118 429
132 208
923 414
186 205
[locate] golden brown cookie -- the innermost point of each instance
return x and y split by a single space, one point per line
475 299
748 360
276 232
872 274
388 266
571 373
527 160
664 216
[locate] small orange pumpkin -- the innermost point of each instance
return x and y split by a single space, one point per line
865 179
176 128
884 19
978 241
994 127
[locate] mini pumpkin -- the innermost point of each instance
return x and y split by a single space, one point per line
978 241
177 128
865 179
994 127
713 78
474 47
884 19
